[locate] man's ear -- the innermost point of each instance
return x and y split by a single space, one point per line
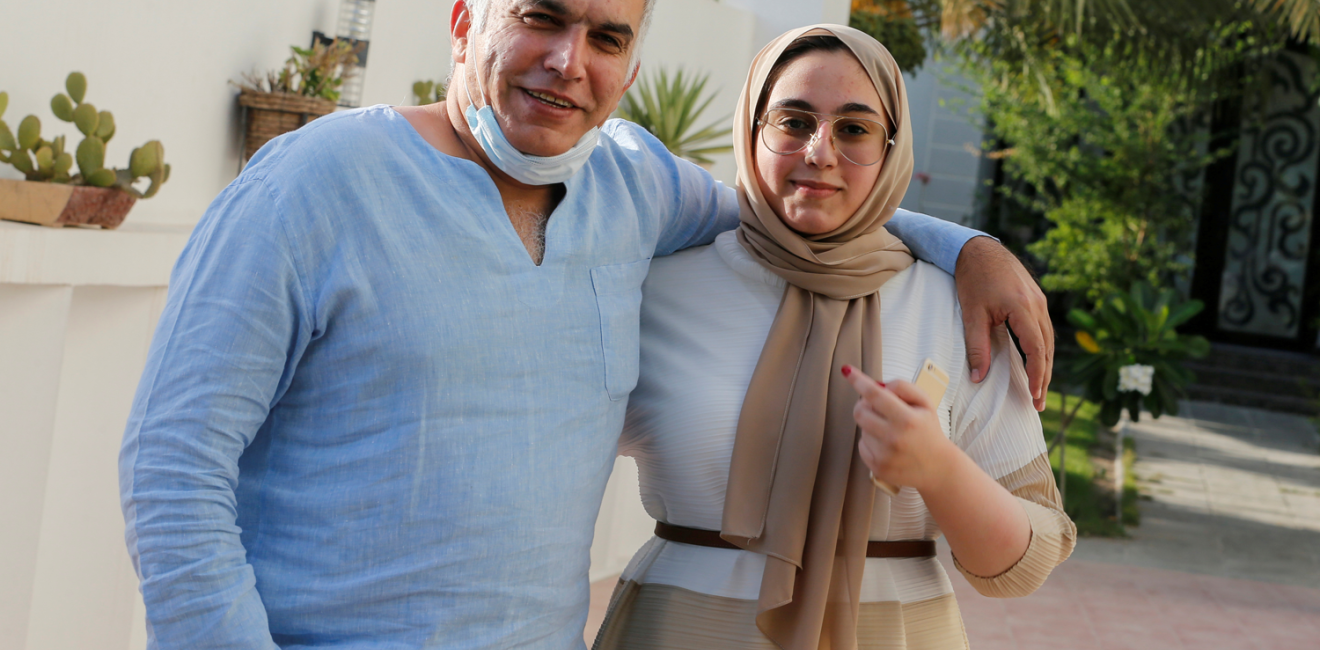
636 69
460 24
626 86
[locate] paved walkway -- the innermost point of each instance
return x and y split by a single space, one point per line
1227 555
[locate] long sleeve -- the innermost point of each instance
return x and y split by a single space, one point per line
690 206
232 331
994 422
934 240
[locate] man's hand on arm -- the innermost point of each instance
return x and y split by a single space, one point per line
993 288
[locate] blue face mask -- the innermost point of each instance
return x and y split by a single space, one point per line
532 170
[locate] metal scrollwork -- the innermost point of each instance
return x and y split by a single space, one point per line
1270 222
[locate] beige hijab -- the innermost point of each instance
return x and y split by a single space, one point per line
798 492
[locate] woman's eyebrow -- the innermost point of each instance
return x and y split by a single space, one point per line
800 104
804 105
856 107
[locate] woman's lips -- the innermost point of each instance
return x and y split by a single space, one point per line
814 190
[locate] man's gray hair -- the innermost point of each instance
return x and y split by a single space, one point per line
478 10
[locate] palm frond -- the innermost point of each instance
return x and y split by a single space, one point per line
670 107
1301 16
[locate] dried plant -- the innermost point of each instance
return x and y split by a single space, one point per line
318 71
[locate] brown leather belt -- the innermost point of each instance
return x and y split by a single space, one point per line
712 539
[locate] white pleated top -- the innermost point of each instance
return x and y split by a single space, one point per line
705 316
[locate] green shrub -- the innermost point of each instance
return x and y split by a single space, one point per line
1135 329
901 36
1099 138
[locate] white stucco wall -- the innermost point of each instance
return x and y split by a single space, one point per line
946 143
775 17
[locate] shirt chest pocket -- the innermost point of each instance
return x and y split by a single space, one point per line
619 298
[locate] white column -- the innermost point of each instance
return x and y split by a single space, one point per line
83 571
32 322
77 312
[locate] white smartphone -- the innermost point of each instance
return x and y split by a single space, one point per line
932 381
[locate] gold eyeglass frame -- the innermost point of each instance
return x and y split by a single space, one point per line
815 135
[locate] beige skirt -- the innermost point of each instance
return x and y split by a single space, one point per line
645 616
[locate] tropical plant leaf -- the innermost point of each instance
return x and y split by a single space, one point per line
669 107
1301 16
1182 313
1082 320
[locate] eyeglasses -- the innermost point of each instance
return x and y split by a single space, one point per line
789 130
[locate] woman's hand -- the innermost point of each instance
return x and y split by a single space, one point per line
901 441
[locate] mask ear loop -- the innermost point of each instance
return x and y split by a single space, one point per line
480 90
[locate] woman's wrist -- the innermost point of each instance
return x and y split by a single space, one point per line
943 469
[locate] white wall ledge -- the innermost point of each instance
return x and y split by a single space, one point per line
135 255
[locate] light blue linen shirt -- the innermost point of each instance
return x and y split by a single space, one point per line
368 420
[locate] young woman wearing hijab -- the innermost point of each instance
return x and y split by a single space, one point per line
746 421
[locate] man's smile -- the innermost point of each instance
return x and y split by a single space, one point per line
550 99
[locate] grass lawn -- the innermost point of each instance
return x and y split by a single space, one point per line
1090 497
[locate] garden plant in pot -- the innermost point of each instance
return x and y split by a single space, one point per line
306 88
52 194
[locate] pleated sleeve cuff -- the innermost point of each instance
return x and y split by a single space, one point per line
1053 536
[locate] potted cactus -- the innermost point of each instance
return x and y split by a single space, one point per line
428 92
52 195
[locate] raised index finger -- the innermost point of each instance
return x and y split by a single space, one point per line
867 387
876 394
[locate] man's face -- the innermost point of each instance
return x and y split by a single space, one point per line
552 69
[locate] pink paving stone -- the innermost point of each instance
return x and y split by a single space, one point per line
1134 608
1272 642
1206 640
996 643
1302 598
1146 632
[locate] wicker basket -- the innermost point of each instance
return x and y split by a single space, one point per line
267 115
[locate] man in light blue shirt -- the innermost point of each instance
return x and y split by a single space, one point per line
383 399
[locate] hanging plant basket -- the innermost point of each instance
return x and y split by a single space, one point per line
58 205
267 115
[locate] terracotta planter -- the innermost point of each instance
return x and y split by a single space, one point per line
57 205
267 115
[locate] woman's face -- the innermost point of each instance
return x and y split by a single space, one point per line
816 190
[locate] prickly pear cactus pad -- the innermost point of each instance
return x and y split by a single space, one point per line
49 161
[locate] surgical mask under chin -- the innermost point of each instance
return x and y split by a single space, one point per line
532 170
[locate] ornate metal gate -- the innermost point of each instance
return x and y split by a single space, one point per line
1256 248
